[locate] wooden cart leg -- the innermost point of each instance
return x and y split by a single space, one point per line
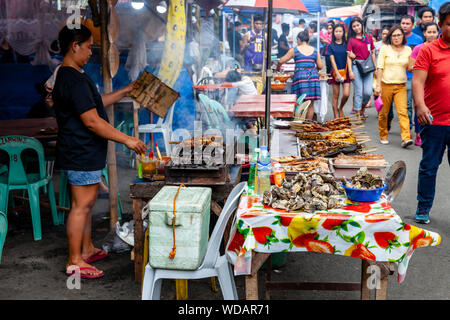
365 291
251 287
381 290
268 275
138 239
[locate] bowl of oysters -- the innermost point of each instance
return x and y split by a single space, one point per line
364 186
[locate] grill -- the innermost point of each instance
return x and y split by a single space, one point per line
199 161
192 174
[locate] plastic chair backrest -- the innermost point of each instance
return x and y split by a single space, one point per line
166 121
302 110
212 252
220 110
14 146
206 80
299 102
211 117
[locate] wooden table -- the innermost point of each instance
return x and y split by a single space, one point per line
213 86
143 191
29 128
254 106
261 98
277 110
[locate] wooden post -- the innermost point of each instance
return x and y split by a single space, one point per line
107 85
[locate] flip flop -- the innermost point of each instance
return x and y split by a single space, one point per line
99 255
352 112
85 275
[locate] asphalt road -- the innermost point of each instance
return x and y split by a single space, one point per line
35 270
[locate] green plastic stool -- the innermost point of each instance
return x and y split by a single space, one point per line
64 193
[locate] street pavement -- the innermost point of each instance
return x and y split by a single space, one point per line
35 269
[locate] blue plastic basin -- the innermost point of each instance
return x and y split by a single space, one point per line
364 195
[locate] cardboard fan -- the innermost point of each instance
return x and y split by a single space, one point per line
113 25
113 59
153 94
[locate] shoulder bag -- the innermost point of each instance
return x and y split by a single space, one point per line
365 66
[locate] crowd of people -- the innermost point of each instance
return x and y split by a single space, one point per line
376 66
404 66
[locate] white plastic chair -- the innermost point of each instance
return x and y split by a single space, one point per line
213 265
163 125
302 110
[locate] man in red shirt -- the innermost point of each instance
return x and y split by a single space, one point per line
431 92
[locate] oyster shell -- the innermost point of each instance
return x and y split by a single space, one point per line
364 180
306 191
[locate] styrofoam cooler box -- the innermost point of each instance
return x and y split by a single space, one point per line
192 215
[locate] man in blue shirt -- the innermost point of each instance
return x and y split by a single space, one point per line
426 15
412 40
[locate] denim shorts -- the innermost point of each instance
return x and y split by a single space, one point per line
83 178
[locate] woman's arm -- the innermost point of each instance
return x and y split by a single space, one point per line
288 56
319 62
110 98
410 66
374 59
350 70
379 75
103 129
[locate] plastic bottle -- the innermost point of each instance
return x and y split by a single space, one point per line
264 170
252 178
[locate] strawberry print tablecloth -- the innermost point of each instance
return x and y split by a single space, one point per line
365 230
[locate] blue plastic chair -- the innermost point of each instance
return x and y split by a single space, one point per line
3 230
18 179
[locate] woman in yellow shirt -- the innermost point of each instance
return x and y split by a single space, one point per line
393 61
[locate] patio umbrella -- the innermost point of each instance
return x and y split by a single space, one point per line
290 5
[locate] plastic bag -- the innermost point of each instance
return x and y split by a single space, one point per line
113 243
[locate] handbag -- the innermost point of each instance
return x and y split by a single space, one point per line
342 73
365 66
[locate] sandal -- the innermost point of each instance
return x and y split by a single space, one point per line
86 275
99 255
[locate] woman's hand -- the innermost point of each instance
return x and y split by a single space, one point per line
351 75
351 55
377 91
136 145
133 85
